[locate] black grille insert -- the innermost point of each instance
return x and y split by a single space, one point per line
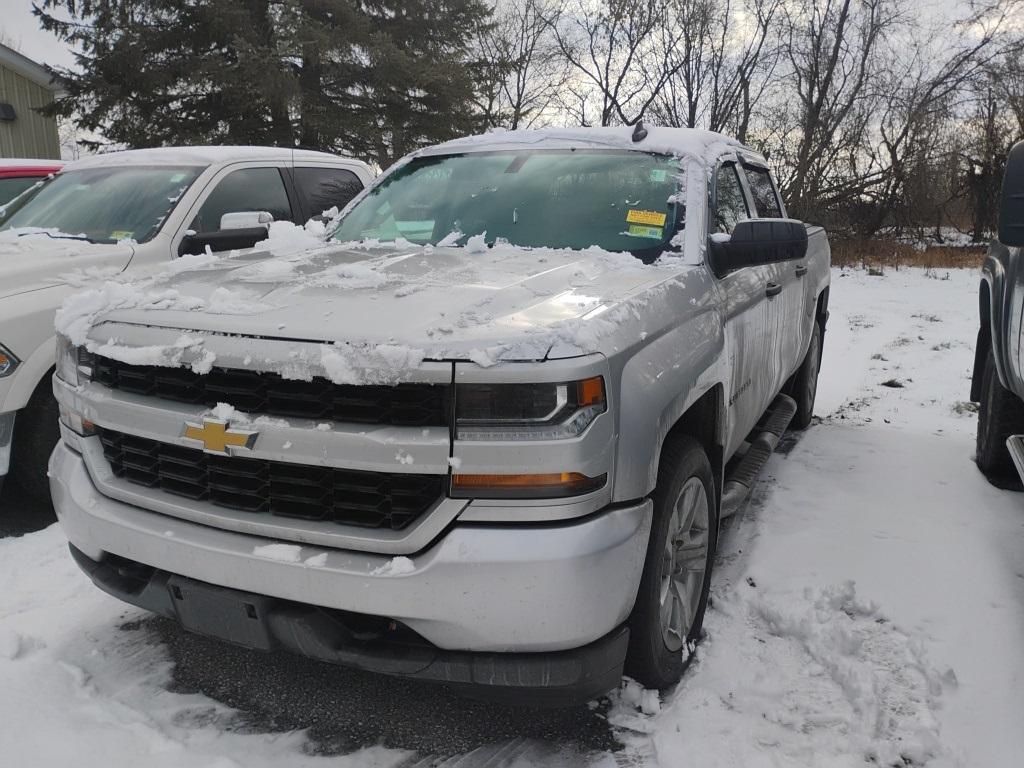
346 496
413 405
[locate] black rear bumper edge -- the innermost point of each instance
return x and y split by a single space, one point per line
549 679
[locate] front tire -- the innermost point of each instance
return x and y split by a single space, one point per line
669 611
1000 414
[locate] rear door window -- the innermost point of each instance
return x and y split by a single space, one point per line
765 199
247 189
730 204
324 188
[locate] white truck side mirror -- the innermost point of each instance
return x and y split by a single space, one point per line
245 220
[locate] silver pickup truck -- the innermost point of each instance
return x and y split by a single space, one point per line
998 380
485 438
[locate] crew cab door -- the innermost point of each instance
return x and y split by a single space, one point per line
250 188
796 302
752 314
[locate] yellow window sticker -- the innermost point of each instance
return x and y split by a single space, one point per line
121 234
637 230
651 218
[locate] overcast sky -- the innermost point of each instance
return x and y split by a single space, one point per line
20 30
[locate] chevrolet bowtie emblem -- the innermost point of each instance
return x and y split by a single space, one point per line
217 438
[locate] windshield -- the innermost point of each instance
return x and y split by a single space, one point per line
103 205
617 200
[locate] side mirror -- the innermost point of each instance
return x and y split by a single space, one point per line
245 220
758 241
237 231
1011 200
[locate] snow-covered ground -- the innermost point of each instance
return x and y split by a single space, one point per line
868 602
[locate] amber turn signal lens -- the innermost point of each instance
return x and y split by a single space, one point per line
551 485
590 391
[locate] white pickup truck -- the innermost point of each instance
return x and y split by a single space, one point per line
134 210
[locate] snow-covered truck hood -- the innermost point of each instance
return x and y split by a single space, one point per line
31 259
491 304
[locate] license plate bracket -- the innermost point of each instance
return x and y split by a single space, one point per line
221 613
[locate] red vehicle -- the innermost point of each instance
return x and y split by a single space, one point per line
18 175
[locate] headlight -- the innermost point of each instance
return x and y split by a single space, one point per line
74 364
8 362
527 411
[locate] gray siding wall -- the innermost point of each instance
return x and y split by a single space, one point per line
29 134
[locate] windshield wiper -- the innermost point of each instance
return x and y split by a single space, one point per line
60 236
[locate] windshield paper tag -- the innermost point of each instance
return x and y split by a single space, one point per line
658 175
639 231
121 234
651 218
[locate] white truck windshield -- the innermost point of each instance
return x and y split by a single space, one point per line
617 200
103 205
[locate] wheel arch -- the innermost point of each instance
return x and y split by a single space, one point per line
704 421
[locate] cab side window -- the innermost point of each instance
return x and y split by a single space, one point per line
765 199
248 189
325 188
730 204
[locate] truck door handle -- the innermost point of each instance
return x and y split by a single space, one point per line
772 289
801 270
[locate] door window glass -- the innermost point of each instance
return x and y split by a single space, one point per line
327 187
730 205
765 199
249 189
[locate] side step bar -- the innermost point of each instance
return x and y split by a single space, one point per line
1015 445
768 433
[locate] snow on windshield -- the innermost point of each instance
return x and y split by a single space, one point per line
617 200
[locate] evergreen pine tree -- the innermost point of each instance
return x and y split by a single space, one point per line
375 79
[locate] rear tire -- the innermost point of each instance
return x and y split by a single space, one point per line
35 435
669 611
1000 414
804 387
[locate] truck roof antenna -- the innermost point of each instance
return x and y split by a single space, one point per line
639 132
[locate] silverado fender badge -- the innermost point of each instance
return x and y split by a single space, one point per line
215 437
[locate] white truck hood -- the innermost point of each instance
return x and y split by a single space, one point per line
31 259
448 303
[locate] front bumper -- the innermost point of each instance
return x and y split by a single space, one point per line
558 678
488 588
